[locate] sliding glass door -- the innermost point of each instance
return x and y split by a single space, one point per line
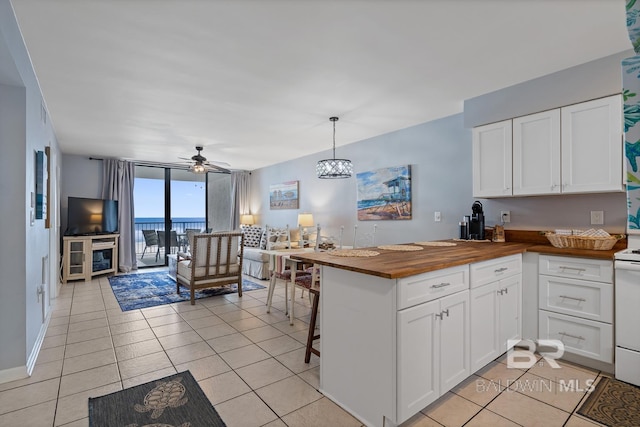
167 202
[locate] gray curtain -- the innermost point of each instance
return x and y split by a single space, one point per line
240 190
117 183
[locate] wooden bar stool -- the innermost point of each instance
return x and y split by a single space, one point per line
315 291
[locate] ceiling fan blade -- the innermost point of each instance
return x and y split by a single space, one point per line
215 168
217 163
184 158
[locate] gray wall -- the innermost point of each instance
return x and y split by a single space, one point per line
439 153
24 262
440 156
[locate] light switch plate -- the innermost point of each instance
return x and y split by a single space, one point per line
437 216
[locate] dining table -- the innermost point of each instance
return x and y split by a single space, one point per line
279 261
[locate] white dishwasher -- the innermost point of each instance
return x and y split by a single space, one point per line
627 300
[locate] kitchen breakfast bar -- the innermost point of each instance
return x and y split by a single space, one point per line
401 328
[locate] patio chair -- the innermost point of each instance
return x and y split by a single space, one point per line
216 260
150 239
173 237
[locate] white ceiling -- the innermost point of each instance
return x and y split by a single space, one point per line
255 81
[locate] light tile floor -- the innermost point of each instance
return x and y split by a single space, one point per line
250 365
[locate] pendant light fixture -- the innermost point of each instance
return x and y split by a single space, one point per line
334 168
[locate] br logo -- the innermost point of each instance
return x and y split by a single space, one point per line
521 354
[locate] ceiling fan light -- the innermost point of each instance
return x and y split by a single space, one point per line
198 168
334 168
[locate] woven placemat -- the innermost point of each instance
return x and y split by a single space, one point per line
353 253
436 244
401 247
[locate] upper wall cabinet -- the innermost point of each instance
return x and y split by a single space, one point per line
492 160
536 153
592 146
574 149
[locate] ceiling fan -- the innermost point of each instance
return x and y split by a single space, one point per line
200 164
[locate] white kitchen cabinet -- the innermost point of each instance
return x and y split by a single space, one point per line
536 154
496 308
592 146
573 149
433 351
576 305
492 162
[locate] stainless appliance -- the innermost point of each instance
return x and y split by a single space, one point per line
476 223
627 300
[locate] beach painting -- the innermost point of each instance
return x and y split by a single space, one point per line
283 195
384 194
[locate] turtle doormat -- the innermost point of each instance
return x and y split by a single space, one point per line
176 400
613 403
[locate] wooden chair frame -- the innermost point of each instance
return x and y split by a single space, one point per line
214 274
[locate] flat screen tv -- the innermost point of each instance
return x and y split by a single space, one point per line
91 216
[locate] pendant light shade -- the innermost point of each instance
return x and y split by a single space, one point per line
334 168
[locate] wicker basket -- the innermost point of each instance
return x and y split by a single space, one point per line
583 242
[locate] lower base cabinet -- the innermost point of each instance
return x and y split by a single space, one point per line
495 319
433 351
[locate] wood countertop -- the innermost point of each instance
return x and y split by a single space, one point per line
392 264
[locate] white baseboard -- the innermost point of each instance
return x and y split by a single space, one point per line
13 374
31 360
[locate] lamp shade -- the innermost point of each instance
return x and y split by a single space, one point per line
334 168
305 220
247 219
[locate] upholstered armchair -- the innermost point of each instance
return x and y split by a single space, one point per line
216 260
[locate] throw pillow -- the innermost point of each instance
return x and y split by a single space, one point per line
252 235
263 239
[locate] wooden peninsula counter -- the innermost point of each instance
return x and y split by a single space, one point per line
400 329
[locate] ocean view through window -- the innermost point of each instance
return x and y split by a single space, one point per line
167 203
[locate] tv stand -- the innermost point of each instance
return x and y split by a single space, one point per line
87 256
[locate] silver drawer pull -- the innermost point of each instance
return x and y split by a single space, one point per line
564 267
439 316
501 270
501 291
573 298
441 285
571 336
446 312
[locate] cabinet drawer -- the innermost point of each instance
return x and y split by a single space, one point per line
580 336
582 268
429 286
495 269
582 298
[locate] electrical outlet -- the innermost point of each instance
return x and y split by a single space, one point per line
437 217
597 217
505 216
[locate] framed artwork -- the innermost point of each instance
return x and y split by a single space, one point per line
41 185
283 195
384 194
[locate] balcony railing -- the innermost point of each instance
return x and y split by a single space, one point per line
179 227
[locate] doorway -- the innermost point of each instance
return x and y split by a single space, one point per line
167 202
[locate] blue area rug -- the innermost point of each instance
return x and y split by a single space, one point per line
142 290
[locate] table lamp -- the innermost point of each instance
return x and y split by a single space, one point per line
247 219
305 220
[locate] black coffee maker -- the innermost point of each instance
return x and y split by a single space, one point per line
476 224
